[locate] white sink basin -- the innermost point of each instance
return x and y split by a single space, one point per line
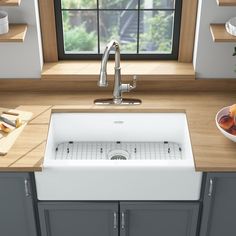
85 152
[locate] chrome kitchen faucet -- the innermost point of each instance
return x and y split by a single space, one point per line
119 88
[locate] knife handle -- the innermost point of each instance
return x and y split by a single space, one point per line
10 113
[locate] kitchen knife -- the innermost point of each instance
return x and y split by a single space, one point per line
9 122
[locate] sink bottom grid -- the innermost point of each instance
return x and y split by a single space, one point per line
118 151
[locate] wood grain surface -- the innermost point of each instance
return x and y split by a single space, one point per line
16 34
220 35
10 3
89 70
228 3
212 151
7 141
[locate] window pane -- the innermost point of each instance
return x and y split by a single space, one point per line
160 4
156 31
119 25
118 4
79 4
80 31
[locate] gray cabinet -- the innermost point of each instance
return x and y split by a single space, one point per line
113 219
16 205
78 219
219 205
158 219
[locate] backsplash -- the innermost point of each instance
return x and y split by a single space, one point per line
23 59
213 60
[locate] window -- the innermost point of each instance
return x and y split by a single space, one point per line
146 29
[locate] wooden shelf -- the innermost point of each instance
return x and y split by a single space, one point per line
16 33
219 34
13 3
226 2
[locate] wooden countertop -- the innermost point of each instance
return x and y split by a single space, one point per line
212 151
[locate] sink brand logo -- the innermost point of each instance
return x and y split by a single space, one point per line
119 122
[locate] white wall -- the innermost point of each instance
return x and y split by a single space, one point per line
23 60
213 60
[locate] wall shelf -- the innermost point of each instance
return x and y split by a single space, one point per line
16 33
10 3
226 2
219 34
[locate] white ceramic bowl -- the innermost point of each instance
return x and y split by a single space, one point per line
224 111
4 24
231 26
4 28
3 17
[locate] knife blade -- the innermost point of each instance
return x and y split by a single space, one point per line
9 122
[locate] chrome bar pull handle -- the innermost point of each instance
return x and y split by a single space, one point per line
210 188
27 190
115 220
123 221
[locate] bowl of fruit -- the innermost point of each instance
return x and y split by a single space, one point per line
226 122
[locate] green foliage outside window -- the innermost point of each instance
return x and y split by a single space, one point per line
77 37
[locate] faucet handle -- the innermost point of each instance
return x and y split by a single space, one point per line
134 84
129 87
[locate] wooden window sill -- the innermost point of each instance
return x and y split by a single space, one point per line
146 70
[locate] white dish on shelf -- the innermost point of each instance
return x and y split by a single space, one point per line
223 112
4 24
230 26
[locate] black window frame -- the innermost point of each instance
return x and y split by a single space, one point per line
90 56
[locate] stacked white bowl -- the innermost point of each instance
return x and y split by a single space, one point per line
4 23
224 111
231 26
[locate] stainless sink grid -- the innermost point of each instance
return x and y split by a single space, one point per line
118 151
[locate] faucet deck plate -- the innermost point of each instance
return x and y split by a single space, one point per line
123 101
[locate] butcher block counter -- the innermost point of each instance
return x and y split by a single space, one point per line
212 151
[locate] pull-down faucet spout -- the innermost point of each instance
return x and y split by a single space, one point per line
103 72
119 88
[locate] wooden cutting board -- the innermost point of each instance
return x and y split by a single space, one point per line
7 140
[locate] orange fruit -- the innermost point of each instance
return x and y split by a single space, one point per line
232 110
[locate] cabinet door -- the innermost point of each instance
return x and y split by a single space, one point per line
78 219
16 205
219 205
158 219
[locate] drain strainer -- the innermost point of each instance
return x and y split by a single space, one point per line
118 155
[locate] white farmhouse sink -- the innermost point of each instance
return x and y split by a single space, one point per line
118 156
